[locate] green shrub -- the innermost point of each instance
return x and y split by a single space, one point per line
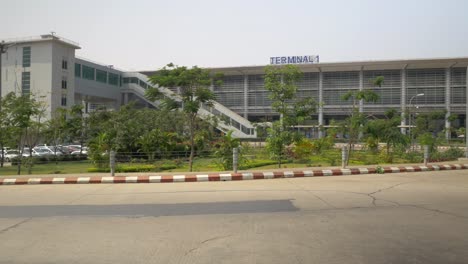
303 149
413 156
135 168
98 169
167 167
261 163
126 168
450 154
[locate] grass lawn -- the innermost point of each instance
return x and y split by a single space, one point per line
257 158
51 168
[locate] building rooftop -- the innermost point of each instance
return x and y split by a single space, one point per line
47 37
427 63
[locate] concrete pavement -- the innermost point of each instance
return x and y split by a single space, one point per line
390 218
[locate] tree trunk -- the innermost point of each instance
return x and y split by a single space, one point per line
279 158
20 158
192 143
2 155
350 147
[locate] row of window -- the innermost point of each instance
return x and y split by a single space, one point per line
389 96
90 73
135 80
351 80
25 82
26 86
27 59
26 56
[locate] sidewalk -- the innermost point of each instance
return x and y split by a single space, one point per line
153 177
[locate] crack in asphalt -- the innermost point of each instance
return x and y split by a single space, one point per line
370 195
315 195
375 199
435 210
15 225
205 241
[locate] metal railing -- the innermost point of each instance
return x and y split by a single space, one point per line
241 127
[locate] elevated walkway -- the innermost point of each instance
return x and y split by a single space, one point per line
228 119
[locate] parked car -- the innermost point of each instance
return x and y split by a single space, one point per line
83 152
10 154
54 150
41 151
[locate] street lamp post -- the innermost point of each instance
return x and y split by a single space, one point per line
411 117
2 50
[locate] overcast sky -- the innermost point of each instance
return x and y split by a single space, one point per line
147 34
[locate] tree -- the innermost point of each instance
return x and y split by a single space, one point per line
387 130
24 120
193 84
77 125
224 150
56 130
427 127
156 141
6 135
355 122
281 83
461 132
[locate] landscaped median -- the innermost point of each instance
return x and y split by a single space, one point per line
227 176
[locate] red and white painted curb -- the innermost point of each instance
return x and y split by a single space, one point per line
227 176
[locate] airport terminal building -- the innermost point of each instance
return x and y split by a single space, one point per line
47 67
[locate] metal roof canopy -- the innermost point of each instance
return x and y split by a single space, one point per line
431 63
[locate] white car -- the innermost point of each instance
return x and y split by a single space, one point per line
42 152
77 152
10 154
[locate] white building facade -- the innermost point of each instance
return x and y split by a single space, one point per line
47 68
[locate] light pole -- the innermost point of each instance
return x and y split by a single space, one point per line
3 47
410 118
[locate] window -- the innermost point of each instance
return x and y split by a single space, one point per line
88 72
113 79
77 70
27 57
101 76
64 84
64 100
25 82
64 64
142 84
130 80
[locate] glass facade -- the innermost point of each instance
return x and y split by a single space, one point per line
25 82
390 92
26 56
431 82
458 86
231 92
78 70
113 79
88 72
130 80
101 76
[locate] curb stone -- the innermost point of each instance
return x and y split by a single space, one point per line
225 176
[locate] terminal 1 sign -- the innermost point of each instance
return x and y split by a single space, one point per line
307 59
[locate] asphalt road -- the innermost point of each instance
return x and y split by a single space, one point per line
390 218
